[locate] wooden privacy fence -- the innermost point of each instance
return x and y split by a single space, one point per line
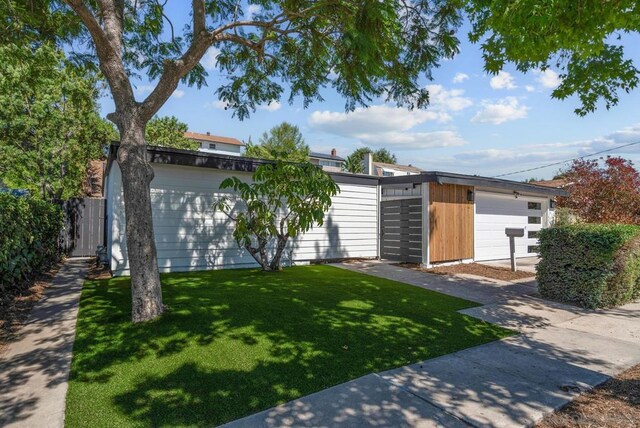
84 226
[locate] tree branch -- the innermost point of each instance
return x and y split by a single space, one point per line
108 43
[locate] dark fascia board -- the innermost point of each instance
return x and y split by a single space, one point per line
170 156
472 180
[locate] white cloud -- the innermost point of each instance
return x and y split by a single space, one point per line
493 161
143 89
178 93
501 111
530 88
548 79
273 106
209 61
413 140
460 77
383 125
503 80
375 119
253 9
443 100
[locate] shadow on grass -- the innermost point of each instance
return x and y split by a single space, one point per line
239 341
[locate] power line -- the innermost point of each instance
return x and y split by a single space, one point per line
568 160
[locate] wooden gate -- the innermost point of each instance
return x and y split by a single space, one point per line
84 226
401 230
450 223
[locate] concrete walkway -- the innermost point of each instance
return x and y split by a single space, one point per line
514 382
35 369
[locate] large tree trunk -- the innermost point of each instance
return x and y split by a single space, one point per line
141 247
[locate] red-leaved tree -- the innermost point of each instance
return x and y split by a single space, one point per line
603 193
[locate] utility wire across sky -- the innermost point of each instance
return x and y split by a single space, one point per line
568 160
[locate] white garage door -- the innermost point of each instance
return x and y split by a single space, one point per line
495 212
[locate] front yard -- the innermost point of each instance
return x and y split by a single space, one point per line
235 342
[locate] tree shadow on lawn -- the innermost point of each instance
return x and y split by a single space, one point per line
238 341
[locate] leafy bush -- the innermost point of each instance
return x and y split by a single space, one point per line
591 265
29 239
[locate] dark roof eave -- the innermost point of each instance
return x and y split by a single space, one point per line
171 156
472 180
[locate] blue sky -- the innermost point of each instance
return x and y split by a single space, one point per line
476 124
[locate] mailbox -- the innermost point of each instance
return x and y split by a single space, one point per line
515 232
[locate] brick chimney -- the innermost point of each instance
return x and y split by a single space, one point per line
334 153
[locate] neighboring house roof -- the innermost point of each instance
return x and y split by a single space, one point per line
318 155
212 138
558 183
406 168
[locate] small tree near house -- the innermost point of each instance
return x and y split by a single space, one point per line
283 201
603 193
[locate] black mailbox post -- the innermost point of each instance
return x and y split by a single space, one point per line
513 233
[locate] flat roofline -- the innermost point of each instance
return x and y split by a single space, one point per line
171 156
441 177
201 159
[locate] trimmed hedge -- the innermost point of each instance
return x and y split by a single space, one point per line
29 241
591 265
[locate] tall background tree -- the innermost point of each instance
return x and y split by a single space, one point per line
49 125
168 131
283 142
580 38
375 49
603 192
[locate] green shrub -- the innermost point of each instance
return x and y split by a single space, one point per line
591 265
29 242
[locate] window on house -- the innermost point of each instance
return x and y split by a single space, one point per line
533 249
532 234
534 220
212 146
534 205
387 174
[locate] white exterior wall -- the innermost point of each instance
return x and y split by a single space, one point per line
496 211
191 236
221 148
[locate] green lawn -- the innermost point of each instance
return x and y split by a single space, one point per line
234 342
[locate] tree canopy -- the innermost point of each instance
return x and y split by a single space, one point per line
284 142
364 50
603 193
49 125
168 131
580 38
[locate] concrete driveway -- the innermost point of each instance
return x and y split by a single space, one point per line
561 352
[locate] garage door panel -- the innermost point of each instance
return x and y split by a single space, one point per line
494 213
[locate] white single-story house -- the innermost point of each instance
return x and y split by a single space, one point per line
216 143
428 218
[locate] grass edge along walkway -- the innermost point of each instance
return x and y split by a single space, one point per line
234 342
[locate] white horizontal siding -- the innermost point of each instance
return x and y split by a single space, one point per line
495 212
191 236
